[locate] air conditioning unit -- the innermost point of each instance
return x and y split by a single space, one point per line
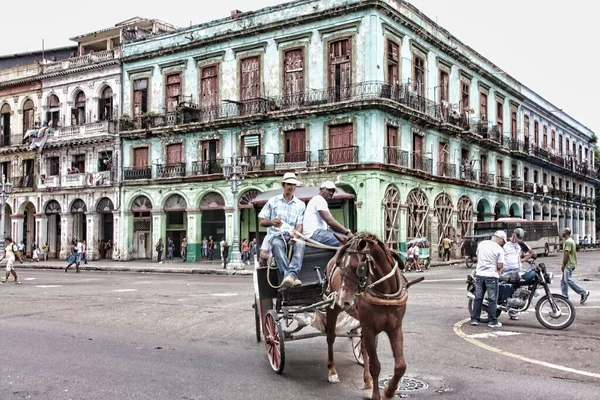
545 189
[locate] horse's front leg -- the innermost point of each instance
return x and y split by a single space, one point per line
368 388
397 343
332 315
370 344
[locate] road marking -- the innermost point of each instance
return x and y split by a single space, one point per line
459 332
489 335
445 280
48 286
124 290
29 279
224 294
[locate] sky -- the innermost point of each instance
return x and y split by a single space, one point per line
547 45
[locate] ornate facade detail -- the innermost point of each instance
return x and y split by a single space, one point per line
443 212
418 208
53 207
141 204
248 196
105 205
175 202
391 211
78 207
212 200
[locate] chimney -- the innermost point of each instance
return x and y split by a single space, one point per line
236 13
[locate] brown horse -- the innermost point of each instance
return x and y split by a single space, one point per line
365 279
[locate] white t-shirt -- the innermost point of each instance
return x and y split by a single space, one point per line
10 252
79 247
312 218
489 254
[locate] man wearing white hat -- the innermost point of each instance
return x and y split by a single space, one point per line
490 260
317 218
283 214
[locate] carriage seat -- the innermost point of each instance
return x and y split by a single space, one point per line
314 257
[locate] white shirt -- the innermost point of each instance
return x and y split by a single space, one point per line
79 247
10 252
489 254
312 218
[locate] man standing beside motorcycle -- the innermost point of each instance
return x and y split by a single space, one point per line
512 259
490 260
569 264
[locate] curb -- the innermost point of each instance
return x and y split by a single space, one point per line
199 271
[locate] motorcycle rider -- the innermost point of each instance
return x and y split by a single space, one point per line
512 259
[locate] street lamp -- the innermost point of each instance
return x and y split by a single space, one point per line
235 171
5 190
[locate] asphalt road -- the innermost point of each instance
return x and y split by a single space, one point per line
98 335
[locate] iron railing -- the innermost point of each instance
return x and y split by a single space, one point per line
292 158
395 156
133 173
503 182
207 167
529 187
22 182
339 155
468 174
485 178
447 170
255 163
170 170
422 163
516 185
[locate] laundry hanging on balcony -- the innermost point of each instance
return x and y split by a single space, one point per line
39 136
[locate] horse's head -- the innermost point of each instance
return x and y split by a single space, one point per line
356 260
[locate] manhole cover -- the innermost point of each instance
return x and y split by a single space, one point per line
409 385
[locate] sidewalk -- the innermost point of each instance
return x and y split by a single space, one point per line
174 267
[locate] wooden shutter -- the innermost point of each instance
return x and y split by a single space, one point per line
210 148
173 91
340 140
293 72
419 75
140 97
250 74
295 145
483 106
140 157
209 86
392 136
174 155
340 65
393 57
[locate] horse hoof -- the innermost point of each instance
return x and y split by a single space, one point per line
334 378
368 393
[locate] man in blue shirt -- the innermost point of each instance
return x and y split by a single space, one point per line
284 215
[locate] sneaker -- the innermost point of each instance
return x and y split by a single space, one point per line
514 317
498 324
297 282
288 282
474 322
585 296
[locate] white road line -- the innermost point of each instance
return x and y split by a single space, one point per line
49 286
489 335
29 279
124 290
459 332
224 294
444 280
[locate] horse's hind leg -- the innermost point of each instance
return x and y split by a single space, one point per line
397 343
330 329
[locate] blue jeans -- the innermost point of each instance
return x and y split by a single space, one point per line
280 251
483 284
567 282
325 236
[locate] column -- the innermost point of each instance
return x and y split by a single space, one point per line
126 235
406 60
120 248
435 237
17 227
403 226
41 230
66 226
159 221
92 234
228 226
194 249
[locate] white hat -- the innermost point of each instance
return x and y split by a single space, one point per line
501 235
290 177
328 185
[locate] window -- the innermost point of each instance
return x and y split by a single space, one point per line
106 105
392 136
544 178
526 174
140 157
293 75
536 133
53 166
174 154
6 169
567 145
340 68
105 161
209 86
444 93
53 111
393 68
340 141
465 98
295 145
536 177
251 145
483 106
500 118
5 125
250 78
513 124
484 163
545 138
78 164
78 112
172 92
419 75
210 148
560 183
553 139
513 171
443 159
560 144
499 169
140 97
28 116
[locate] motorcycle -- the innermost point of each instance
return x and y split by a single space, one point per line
516 293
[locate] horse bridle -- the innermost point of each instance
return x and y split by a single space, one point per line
362 271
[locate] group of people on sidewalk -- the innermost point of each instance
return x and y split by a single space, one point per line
160 248
499 256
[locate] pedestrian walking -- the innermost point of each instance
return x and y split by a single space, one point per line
184 245
46 250
446 245
35 251
170 247
74 257
159 249
11 253
245 250
204 249
490 260
253 248
211 247
84 251
569 263
21 249
109 248
224 252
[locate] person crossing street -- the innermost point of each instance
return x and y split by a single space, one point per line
11 253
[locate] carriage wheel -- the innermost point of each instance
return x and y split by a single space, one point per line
257 322
356 350
274 341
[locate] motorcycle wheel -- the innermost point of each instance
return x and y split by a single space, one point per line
543 312
483 318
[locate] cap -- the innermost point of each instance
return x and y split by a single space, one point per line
328 185
501 235
290 177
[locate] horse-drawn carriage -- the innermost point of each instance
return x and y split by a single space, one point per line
361 281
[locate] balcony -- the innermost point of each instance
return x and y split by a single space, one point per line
468 174
208 167
292 161
485 178
516 145
503 182
81 61
255 163
49 182
479 127
133 173
447 170
422 163
395 156
529 187
339 155
170 170
73 180
77 132
516 185
22 182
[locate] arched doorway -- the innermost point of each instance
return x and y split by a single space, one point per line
212 206
514 211
527 212
537 212
5 113
465 216
248 220
78 210
7 214
418 209
105 104
105 208
443 212
174 208
78 114
28 228
553 214
545 213
347 214
53 110
53 228
142 227
391 211
28 116
483 209
561 220
500 210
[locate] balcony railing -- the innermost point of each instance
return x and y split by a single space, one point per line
339 155
447 170
516 145
22 182
422 163
503 182
480 127
468 174
88 59
133 173
297 160
208 167
516 185
84 131
529 187
170 170
395 156
485 178
255 163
